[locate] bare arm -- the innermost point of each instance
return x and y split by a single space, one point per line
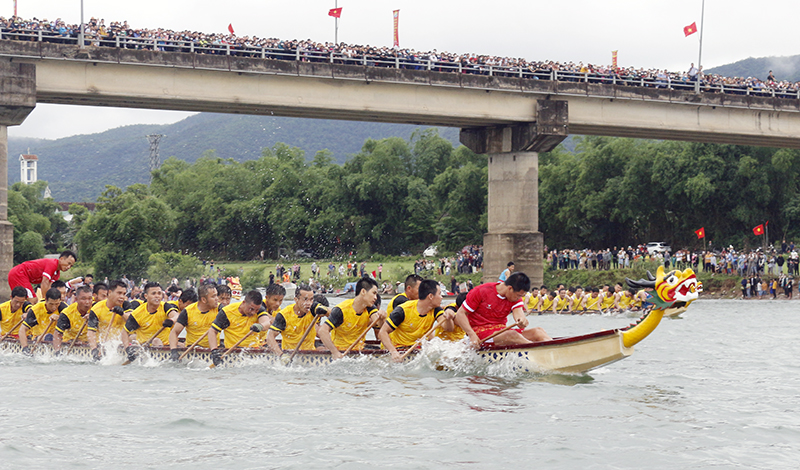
386 341
324 333
272 342
213 339
173 335
463 322
519 317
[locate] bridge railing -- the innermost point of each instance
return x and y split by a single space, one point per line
397 62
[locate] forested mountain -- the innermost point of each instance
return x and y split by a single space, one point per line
784 68
78 167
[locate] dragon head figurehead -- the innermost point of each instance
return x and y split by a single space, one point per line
670 289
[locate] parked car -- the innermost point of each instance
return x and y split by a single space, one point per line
431 251
658 247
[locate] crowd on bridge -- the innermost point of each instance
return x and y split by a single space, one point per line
123 35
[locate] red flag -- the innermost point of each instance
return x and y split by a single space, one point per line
335 12
701 233
230 28
759 230
691 29
396 17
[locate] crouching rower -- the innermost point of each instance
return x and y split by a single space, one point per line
486 309
292 321
238 320
196 319
412 319
149 321
73 320
347 321
39 319
14 311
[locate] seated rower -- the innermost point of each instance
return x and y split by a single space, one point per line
532 299
410 320
224 295
577 300
147 319
39 318
99 292
562 302
237 320
547 301
449 331
188 297
348 320
592 301
292 321
486 309
411 292
195 318
624 300
109 315
71 322
14 310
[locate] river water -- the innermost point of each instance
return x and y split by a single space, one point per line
717 388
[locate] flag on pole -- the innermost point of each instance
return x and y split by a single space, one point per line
614 59
691 29
701 233
759 230
230 28
396 15
335 12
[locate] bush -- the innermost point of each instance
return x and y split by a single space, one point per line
164 266
31 246
253 278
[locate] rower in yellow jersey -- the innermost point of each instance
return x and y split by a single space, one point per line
348 320
273 298
562 302
292 321
592 301
411 292
640 298
39 318
237 320
14 310
147 319
456 334
72 319
608 299
108 316
196 319
625 300
577 299
547 302
411 320
532 299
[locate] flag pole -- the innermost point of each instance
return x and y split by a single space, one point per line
336 31
700 55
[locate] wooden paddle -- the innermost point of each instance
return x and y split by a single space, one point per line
147 343
12 329
232 347
110 327
85 322
41 336
305 334
419 341
513 325
361 336
189 349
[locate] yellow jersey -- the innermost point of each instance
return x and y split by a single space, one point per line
291 327
396 301
457 334
533 301
625 300
608 300
409 325
38 319
237 326
593 303
561 303
547 303
346 324
145 324
576 303
196 323
103 317
70 321
9 319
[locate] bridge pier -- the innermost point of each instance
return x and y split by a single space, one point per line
17 100
513 153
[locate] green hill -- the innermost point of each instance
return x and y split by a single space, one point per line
78 167
784 68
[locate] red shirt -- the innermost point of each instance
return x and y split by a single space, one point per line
38 269
486 307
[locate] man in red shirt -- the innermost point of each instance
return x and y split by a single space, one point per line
486 309
40 271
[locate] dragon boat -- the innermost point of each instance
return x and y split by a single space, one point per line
671 294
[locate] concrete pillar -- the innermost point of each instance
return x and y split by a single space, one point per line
513 153
17 100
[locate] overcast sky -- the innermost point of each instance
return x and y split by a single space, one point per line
646 33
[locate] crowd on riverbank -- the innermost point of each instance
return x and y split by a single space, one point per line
123 35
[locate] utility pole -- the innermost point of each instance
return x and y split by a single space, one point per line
155 162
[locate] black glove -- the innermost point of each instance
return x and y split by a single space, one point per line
174 355
131 352
319 310
118 310
256 327
96 354
216 356
27 351
168 323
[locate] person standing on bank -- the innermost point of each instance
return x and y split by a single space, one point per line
508 271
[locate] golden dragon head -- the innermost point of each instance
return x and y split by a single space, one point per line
670 289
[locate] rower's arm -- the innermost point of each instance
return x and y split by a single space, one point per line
386 341
463 322
173 335
518 314
213 339
324 334
23 335
44 286
272 342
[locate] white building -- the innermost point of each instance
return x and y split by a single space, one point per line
27 168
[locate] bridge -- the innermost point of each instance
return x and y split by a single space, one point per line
511 119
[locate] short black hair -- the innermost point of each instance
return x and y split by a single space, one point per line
427 287
274 289
112 285
303 288
99 286
80 289
460 298
253 297
150 285
365 283
510 263
52 294
321 299
412 280
519 282
67 253
188 296
204 289
59 284
20 291
88 275
223 290
173 288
